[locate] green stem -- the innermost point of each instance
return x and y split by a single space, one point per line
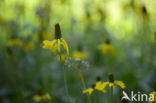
111 95
84 84
65 81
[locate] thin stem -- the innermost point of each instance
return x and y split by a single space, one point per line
111 95
84 84
65 81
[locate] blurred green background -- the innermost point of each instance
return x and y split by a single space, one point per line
26 69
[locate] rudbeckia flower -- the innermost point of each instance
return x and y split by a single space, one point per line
98 85
80 54
46 35
38 97
113 82
106 48
56 44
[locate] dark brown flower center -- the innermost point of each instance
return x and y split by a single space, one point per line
111 78
57 31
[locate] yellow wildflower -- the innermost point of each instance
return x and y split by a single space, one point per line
46 96
97 86
38 97
80 54
89 90
106 48
46 35
112 83
29 46
55 44
15 42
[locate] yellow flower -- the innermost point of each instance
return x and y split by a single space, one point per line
46 35
89 90
106 48
15 42
112 83
46 96
97 86
38 98
100 86
152 96
55 44
80 54
29 46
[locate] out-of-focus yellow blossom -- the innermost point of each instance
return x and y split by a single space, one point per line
143 12
38 98
29 46
15 42
80 54
106 48
138 8
56 44
113 82
89 90
46 35
97 86
152 97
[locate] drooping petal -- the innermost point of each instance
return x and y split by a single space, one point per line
58 45
53 46
120 83
99 86
89 90
65 45
47 44
105 84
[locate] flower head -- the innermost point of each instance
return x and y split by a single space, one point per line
38 97
56 44
113 82
98 85
80 53
106 48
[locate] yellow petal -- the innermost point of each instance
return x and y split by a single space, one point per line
46 96
58 45
79 54
89 90
120 83
104 84
47 44
53 46
37 98
65 45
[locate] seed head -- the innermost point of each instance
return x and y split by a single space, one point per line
111 78
58 34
